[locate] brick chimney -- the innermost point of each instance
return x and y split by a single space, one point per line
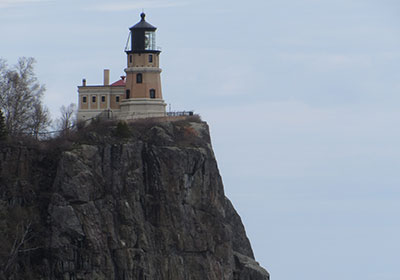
106 77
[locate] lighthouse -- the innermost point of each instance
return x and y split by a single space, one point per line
138 93
143 94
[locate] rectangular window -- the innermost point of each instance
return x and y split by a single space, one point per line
130 58
150 43
117 99
93 99
84 99
150 58
103 99
139 78
152 93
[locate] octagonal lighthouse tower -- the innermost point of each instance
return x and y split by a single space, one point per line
143 96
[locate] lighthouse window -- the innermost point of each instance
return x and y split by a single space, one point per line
139 78
150 58
128 94
152 93
93 99
130 58
149 40
103 99
84 99
117 99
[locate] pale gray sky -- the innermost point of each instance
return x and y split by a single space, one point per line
302 98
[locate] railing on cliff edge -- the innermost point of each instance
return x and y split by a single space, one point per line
109 115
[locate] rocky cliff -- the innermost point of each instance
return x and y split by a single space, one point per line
138 202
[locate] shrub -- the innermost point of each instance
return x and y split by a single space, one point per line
122 130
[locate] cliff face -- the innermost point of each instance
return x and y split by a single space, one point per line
148 206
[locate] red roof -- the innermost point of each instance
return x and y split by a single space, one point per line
119 83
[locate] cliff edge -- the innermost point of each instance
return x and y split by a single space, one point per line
144 202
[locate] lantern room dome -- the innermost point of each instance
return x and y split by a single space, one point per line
143 24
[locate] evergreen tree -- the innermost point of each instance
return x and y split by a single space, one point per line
122 130
3 129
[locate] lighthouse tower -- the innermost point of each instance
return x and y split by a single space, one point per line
143 96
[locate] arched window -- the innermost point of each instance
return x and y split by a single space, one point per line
152 93
139 78
128 94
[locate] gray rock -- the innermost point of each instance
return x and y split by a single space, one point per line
149 207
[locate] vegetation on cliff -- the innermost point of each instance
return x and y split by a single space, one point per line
21 99
3 129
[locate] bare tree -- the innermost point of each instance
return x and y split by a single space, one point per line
68 117
19 237
22 236
21 98
40 119
3 130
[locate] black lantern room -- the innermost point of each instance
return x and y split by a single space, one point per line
143 37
